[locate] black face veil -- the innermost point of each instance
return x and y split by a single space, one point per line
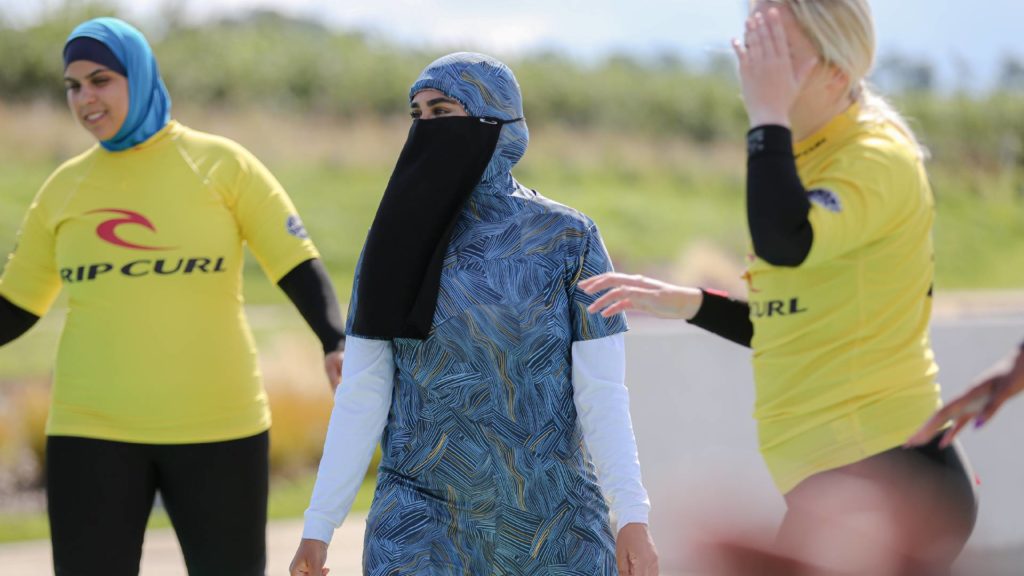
440 165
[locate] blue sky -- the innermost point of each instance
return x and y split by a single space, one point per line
966 41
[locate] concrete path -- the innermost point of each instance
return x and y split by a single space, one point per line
161 555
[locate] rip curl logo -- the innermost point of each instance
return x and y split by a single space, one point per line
107 230
295 227
827 199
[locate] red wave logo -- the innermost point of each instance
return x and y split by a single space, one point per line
107 230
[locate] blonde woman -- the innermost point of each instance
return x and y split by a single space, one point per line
840 215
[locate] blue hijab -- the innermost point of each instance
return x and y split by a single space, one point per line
149 105
485 87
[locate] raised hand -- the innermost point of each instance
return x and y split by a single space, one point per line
771 81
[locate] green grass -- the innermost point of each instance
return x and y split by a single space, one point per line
18 527
288 499
648 217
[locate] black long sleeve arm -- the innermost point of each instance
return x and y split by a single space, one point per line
14 321
309 287
725 316
777 204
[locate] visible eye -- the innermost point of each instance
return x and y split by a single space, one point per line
72 86
100 81
441 111
415 114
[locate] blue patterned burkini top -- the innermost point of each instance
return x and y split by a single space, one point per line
484 467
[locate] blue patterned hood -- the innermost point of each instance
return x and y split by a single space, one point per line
485 87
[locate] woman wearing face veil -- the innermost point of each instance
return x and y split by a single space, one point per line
499 401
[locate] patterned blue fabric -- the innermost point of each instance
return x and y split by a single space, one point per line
484 467
485 87
149 107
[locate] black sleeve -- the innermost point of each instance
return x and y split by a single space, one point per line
726 317
309 288
777 204
14 321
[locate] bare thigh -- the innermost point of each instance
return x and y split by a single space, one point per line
904 511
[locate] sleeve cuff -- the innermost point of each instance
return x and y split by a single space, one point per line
632 515
316 528
769 140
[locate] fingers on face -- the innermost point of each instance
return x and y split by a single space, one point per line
741 52
755 47
764 35
777 33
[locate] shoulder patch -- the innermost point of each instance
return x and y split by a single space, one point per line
827 199
295 227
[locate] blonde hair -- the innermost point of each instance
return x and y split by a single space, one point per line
843 33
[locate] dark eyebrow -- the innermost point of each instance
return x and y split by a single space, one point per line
441 100
435 101
89 75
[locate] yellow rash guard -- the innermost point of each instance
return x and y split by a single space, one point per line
148 243
842 357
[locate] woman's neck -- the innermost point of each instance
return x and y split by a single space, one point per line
808 123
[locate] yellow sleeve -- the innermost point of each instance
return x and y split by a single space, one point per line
269 222
30 279
858 201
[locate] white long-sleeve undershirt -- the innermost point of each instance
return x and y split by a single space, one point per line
361 405
602 406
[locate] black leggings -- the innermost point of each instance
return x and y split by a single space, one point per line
100 494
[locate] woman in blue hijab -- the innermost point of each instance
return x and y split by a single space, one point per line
499 402
157 386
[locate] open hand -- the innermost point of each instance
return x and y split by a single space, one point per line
635 292
771 81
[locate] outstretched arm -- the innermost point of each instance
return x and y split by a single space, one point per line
711 310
